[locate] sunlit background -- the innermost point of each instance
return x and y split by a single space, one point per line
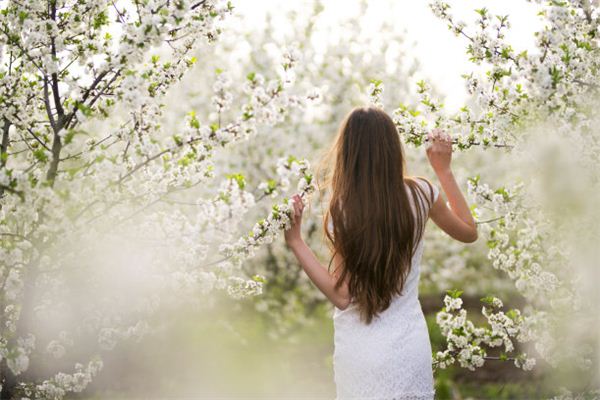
279 344
243 349
439 53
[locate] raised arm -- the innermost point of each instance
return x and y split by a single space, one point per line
317 273
457 220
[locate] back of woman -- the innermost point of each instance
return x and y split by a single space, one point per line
374 227
397 338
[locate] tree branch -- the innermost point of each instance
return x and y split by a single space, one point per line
588 84
86 95
4 148
5 142
60 112
199 4
4 188
47 104
38 139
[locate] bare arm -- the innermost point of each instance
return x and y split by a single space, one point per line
457 220
317 273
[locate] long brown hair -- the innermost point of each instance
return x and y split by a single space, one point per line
375 231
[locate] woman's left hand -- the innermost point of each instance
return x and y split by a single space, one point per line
293 235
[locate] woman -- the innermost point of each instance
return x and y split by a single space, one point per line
374 226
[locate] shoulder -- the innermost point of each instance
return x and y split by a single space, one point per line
427 188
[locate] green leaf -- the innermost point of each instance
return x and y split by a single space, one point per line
225 197
239 178
308 178
454 293
85 110
100 20
69 136
191 61
512 314
178 140
194 123
271 186
23 16
152 89
502 191
40 155
481 11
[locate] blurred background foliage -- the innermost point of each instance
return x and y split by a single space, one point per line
280 344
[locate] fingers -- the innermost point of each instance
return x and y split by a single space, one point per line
435 135
297 207
299 202
429 140
438 136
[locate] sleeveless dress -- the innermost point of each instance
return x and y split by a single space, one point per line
390 358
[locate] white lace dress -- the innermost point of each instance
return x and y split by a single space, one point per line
390 358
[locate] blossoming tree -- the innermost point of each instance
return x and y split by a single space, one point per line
89 237
94 174
534 245
340 74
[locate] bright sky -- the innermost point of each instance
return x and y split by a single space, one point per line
441 54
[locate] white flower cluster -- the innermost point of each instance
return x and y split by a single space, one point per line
290 168
516 241
17 358
223 98
526 364
231 203
278 219
62 383
462 337
452 303
523 244
64 184
439 8
375 92
110 336
566 394
466 342
518 87
57 347
239 288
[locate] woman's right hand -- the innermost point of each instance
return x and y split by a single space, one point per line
439 150
457 221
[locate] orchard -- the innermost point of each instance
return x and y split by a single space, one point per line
149 151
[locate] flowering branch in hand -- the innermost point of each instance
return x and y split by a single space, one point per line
280 216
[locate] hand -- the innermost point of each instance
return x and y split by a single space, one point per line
293 235
439 150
